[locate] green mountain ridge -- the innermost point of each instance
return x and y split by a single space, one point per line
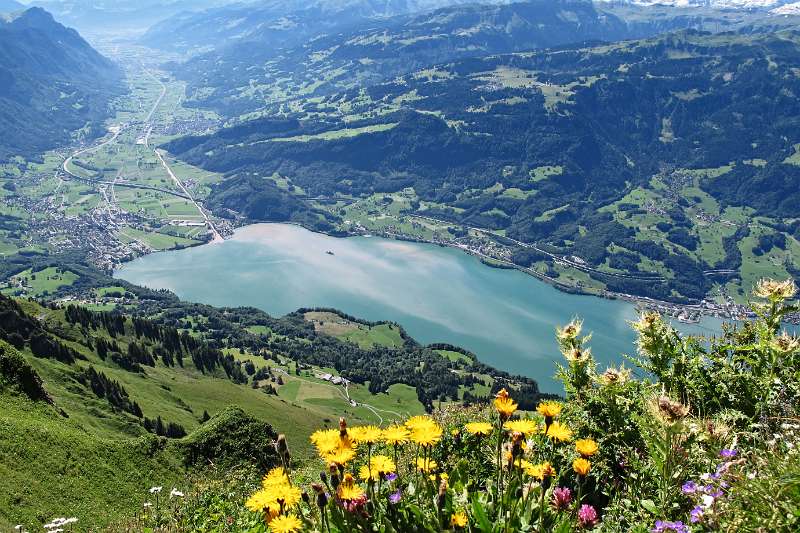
52 83
262 71
610 119
277 23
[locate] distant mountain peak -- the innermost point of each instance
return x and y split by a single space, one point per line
721 4
33 16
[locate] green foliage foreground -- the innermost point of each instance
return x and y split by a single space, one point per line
705 441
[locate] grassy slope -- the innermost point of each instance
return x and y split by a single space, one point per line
97 463
51 466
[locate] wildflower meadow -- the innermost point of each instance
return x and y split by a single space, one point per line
691 435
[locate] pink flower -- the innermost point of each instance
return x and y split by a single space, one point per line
562 497
587 516
355 506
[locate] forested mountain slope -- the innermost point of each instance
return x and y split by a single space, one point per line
578 134
277 23
52 83
309 54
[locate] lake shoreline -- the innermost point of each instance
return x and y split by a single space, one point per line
686 313
437 293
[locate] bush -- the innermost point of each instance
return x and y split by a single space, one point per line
232 437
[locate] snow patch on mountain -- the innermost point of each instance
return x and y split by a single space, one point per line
724 4
787 9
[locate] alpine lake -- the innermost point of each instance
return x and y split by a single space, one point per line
506 317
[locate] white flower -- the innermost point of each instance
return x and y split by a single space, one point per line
56 523
751 475
70 520
18 527
708 500
175 493
705 477
155 490
147 504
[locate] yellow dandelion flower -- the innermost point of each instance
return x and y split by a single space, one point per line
426 435
348 489
540 471
526 427
325 440
365 434
276 476
559 432
286 524
261 501
395 435
504 404
586 447
287 495
459 519
549 409
419 421
478 428
426 465
581 466
367 473
523 464
340 456
442 477
379 465
383 463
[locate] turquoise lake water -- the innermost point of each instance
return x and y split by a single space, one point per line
437 294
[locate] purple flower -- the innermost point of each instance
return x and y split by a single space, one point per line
690 487
562 497
390 477
696 514
728 453
395 497
587 516
662 526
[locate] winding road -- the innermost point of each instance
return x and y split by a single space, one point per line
182 192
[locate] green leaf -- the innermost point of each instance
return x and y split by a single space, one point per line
479 513
650 506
